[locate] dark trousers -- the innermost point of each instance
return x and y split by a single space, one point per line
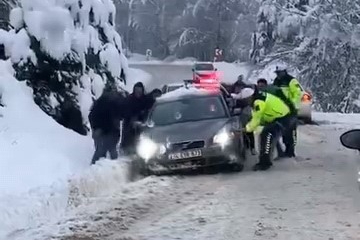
269 136
289 138
128 136
105 143
249 140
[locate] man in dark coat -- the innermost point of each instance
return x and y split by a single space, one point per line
105 116
138 104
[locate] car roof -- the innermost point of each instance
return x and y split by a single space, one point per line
204 63
186 93
175 84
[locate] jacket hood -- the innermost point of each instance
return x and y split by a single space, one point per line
139 84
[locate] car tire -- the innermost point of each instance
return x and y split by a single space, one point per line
143 169
237 167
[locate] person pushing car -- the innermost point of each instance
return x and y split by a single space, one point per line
275 116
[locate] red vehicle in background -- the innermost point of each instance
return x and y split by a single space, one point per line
204 71
205 75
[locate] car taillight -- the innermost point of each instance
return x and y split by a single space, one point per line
306 98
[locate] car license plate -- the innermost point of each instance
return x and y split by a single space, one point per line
185 154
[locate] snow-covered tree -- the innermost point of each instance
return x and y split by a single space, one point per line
67 51
187 27
320 39
209 24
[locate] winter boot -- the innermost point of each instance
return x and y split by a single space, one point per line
290 151
264 163
261 167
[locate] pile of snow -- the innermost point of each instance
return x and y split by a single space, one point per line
38 157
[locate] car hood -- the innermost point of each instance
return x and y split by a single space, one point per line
180 132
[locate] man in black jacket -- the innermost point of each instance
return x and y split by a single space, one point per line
105 116
138 104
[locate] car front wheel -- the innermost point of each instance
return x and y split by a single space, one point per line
237 167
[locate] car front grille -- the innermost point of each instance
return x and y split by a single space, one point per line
187 145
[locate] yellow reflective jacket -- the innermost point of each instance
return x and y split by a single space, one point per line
291 89
266 109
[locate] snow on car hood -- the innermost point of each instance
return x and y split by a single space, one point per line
199 130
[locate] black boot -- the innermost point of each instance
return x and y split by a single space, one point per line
290 151
264 163
261 167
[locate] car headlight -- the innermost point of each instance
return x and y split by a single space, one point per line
223 137
147 148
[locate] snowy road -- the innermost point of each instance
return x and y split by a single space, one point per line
177 72
163 74
314 197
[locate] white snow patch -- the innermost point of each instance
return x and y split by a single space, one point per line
16 18
110 57
98 85
339 119
56 32
17 45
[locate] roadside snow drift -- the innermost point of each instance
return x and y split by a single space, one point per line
32 144
44 167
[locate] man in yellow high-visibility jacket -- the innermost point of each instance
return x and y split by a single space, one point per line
292 91
272 113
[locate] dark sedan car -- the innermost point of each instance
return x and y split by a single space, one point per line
190 129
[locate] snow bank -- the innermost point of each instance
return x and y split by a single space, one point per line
38 157
55 149
339 119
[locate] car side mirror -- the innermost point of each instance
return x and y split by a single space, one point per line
216 69
193 70
351 139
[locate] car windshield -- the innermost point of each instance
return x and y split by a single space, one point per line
204 67
187 110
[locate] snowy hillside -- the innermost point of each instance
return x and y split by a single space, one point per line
61 55
67 51
44 167
319 39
